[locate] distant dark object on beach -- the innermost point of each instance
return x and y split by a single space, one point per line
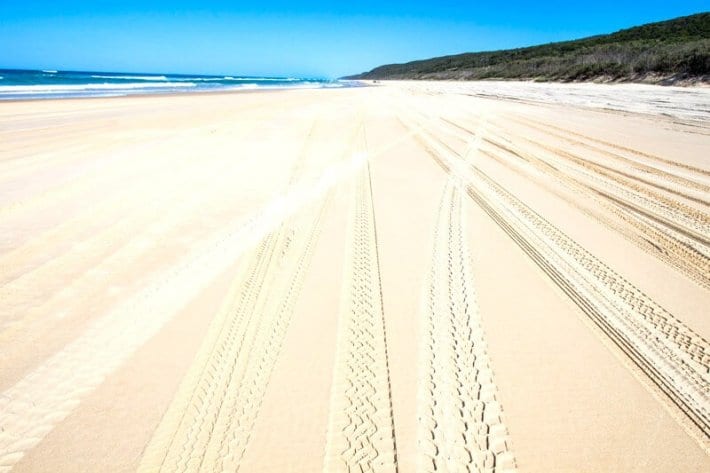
667 52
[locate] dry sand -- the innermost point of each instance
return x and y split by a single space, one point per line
413 277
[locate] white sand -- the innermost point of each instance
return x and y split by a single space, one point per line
414 277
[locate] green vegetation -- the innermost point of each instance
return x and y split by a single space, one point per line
667 51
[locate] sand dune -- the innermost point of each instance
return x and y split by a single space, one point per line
412 277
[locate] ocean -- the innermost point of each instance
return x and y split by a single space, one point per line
31 84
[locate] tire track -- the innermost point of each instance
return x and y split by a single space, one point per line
208 425
664 240
668 242
576 137
670 212
613 185
668 246
641 168
31 408
460 419
662 174
671 354
361 431
634 169
113 249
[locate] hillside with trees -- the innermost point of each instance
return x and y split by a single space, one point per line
667 51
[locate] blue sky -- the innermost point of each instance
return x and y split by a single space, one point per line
305 38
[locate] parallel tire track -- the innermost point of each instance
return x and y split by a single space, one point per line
662 241
460 419
31 408
361 432
616 186
578 137
209 423
664 244
636 223
674 357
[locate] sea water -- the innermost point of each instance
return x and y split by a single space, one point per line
41 84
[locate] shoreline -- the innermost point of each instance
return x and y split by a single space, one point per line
152 89
150 95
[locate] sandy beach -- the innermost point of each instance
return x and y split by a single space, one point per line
411 277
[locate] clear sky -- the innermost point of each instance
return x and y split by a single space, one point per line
306 38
